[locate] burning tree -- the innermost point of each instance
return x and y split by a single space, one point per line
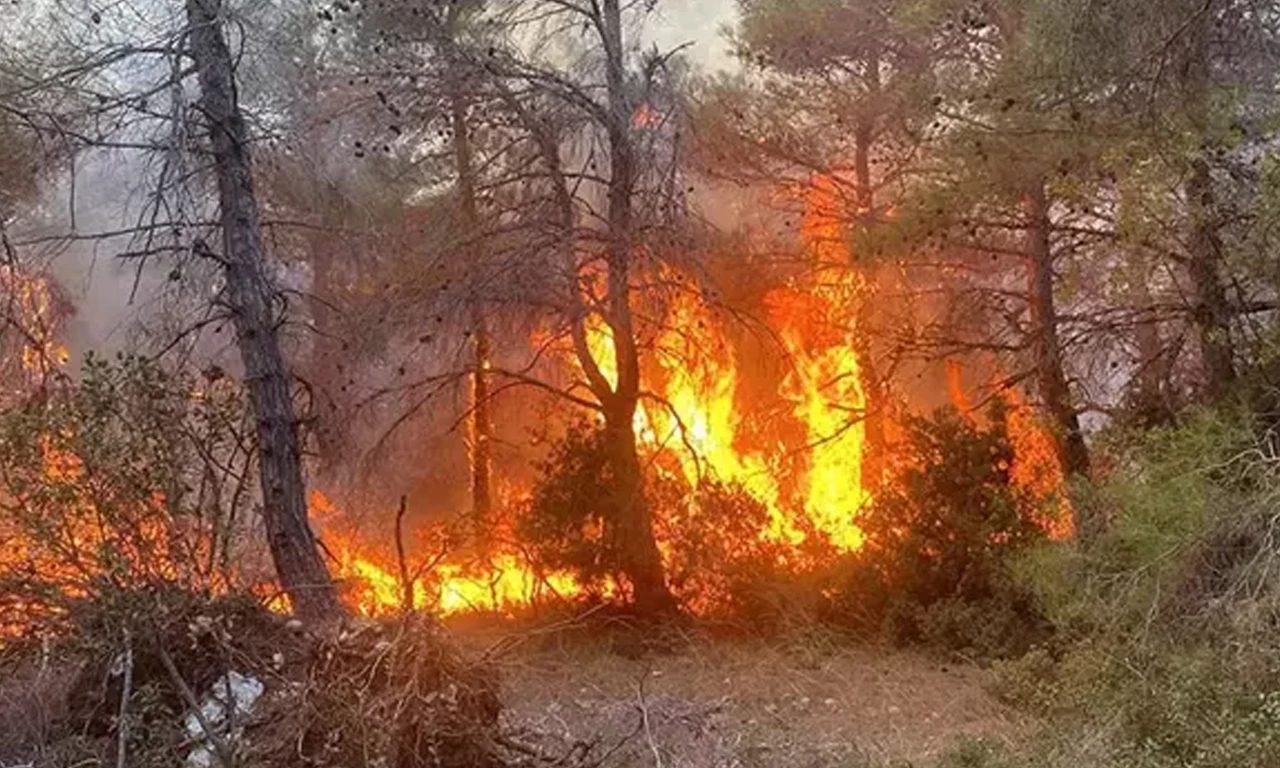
250 299
106 106
596 232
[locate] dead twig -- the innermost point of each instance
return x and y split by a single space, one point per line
122 729
219 746
648 730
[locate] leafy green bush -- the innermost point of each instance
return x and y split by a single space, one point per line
935 566
568 522
1167 654
720 566
717 564
1171 498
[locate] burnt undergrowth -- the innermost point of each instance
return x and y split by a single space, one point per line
123 687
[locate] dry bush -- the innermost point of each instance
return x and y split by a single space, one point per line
33 698
355 694
380 694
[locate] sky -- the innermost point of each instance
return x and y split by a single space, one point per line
699 21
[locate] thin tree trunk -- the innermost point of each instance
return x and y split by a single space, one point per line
1050 376
481 421
251 299
873 384
1211 314
1153 362
641 560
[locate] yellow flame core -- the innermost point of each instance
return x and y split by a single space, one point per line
831 403
373 586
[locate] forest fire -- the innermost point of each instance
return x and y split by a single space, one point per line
690 424
804 462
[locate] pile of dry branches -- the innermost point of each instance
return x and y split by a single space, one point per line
354 693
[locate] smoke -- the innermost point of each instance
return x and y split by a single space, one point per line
700 23
62 238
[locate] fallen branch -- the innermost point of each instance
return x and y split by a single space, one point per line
219 747
122 719
648 730
406 599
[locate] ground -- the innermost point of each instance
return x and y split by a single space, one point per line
748 703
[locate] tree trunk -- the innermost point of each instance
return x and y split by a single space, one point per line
641 560
1211 314
1050 376
1153 404
481 422
874 385
251 299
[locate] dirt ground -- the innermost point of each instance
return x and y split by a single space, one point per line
747 703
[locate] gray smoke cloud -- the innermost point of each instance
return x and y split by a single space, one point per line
700 22
116 301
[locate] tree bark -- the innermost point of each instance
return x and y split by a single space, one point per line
1211 314
481 421
251 299
1050 375
875 386
1153 404
638 547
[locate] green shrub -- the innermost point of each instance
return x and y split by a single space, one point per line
570 515
935 564
1172 496
1167 654
717 564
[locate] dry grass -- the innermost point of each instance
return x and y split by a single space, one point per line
32 700
715 702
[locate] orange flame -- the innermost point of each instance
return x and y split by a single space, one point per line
1036 468
372 585
30 302
693 413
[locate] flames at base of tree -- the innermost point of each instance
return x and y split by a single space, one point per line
373 585
803 464
693 428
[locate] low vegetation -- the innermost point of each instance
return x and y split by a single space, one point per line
1164 651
